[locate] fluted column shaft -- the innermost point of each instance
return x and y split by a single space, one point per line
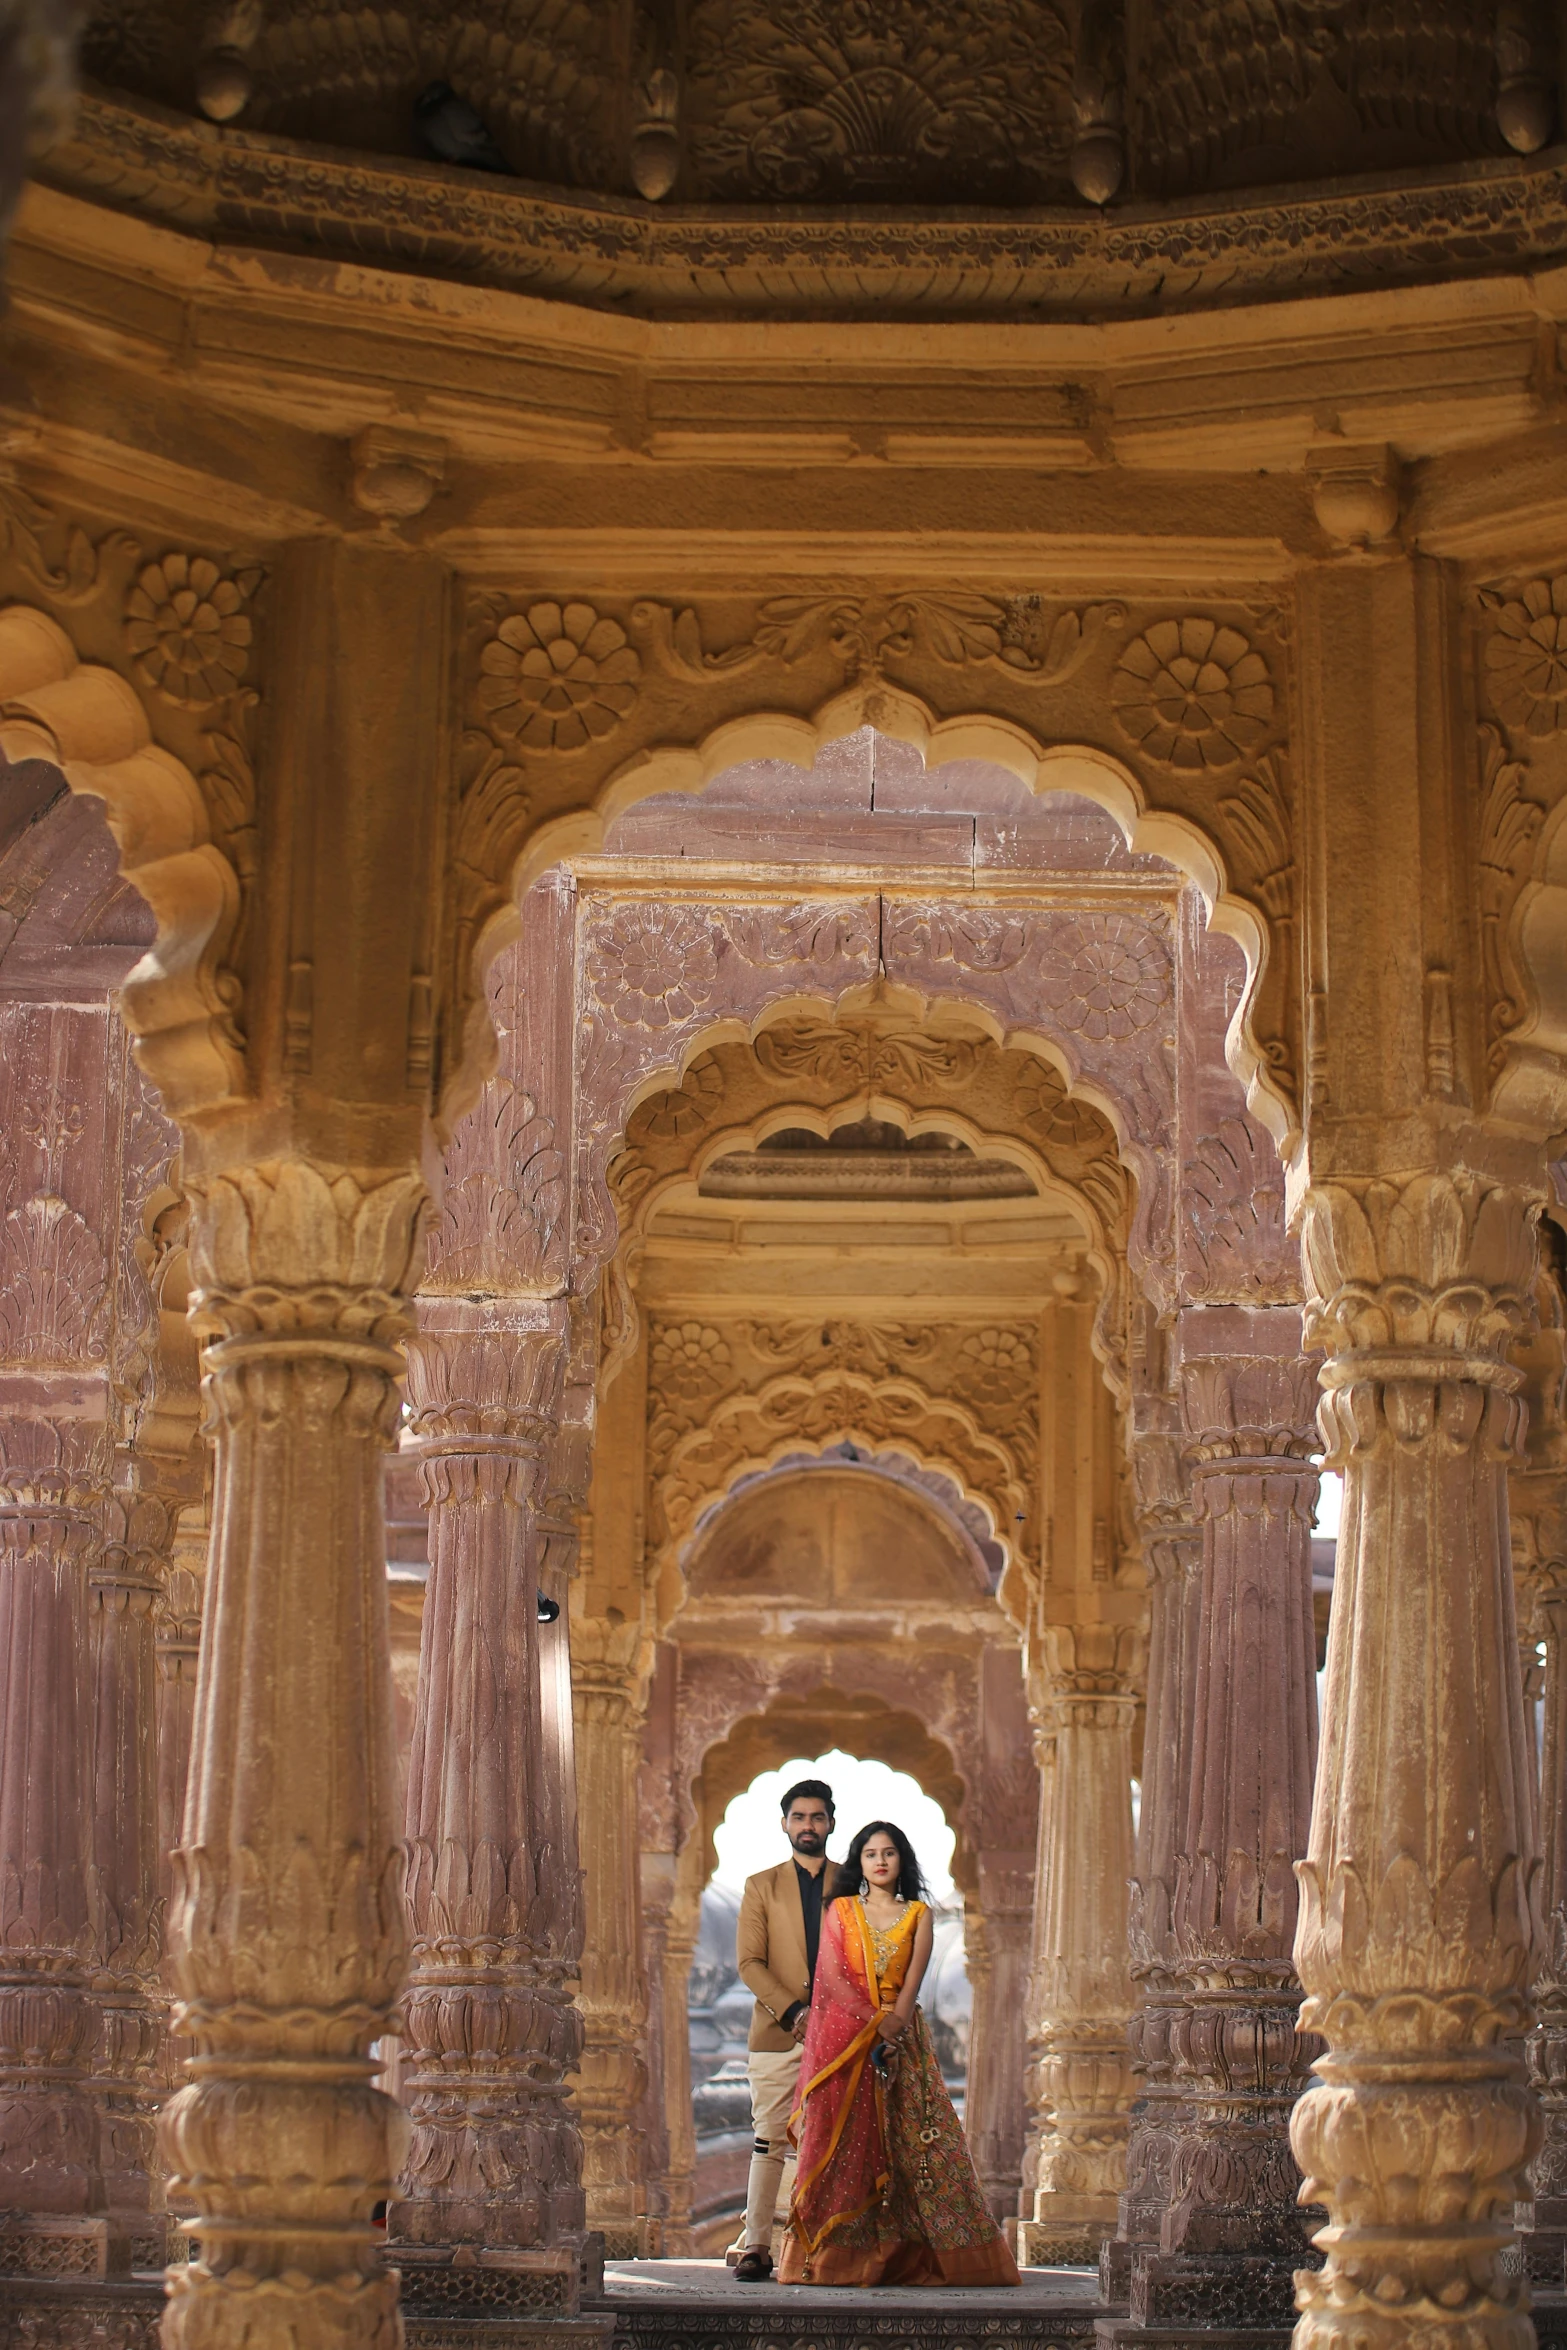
1545 2214
1237 2063
177 1637
1083 1974
1036 2075
994 2103
51 1472
1537 1511
494 2162
670 1919
287 1922
614 1989
127 1586
1418 1928
1173 1548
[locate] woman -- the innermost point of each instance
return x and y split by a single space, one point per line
885 2193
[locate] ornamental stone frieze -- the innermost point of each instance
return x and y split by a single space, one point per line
1520 633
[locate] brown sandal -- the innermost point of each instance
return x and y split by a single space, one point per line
754 2267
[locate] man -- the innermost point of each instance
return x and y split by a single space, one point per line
780 1932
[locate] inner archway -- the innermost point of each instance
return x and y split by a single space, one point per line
719 2005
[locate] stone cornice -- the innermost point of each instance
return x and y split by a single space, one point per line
603 250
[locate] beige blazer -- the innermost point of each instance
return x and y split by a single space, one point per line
770 1948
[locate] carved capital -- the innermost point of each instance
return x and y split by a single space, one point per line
1094 1662
1252 1408
484 1402
287 1246
1442 1265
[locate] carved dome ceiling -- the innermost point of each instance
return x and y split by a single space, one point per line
777 118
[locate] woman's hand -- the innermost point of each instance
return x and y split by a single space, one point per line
890 2025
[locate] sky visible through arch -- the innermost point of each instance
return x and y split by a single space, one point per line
751 1838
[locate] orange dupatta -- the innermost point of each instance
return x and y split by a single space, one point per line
837 2123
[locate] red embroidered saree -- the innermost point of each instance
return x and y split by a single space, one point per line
885 2192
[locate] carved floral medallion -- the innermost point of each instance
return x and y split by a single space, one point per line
187 629
1526 657
1193 693
558 676
652 967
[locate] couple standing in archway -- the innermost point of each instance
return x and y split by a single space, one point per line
844 2073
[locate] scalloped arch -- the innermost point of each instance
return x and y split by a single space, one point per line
1146 1156
749 1432
179 1002
1104 1254
851 1719
1082 769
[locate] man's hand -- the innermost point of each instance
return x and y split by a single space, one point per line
797 2029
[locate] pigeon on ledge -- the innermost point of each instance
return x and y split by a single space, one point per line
452 131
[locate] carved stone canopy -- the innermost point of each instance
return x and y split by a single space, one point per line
524 145
800 102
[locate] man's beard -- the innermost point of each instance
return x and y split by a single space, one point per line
807 1841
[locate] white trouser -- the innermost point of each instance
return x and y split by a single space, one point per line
774 2079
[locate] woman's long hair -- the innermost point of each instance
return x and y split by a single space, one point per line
851 1872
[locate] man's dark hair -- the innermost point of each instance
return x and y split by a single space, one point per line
813 1789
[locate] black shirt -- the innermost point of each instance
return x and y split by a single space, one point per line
811 1909
811 1904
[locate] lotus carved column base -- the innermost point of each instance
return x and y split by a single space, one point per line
475 2229
1081 2153
1158 2114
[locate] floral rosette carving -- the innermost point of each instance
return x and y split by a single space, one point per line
1193 694
1526 657
187 630
689 1361
557 677
1108 979
651 967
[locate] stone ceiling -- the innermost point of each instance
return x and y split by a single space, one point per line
632 152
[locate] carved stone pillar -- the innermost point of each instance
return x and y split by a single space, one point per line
1417 1933
1537 1497
993 2105
127 1584
1036 2051
178 1638
608 1681
488 2214
1082 1970
670 1918
1172 1548
288 1925
1543 2217
52 1475
1231 2232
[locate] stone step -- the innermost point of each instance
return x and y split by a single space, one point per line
698 2305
